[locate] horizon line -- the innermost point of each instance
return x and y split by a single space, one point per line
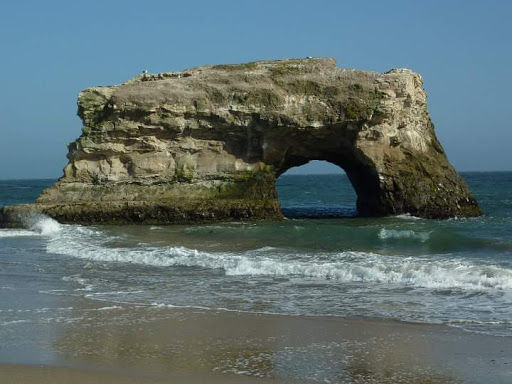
284 174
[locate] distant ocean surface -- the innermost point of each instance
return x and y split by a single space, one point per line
456 272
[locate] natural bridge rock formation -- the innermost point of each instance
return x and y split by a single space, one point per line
208 144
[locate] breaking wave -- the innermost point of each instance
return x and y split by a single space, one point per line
45 226
434 271
36 225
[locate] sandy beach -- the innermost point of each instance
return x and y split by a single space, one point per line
114 343
28 374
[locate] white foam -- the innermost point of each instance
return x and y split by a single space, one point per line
435 271
46 226
112 293
13 322
172 306
407 216
403 234
17 233
379 269
81 281
76 279
479 322
112 307
162 305
36 225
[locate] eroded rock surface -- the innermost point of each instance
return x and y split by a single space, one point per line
208 143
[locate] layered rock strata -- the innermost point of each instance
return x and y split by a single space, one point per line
208 143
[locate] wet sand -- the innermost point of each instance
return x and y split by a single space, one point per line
114 343
27 374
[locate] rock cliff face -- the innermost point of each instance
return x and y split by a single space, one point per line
208 144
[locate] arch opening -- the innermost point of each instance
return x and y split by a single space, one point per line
316 189
338 149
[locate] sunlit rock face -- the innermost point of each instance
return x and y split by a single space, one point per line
208 143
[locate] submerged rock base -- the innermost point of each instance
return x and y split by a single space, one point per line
143 212
208 143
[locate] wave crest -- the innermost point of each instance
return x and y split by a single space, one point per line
45 226
436 272
403 234
36 225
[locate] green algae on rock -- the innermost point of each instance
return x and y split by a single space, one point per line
208 143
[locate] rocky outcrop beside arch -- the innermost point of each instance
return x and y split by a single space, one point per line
208 143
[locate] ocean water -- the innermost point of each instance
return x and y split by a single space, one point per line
456 272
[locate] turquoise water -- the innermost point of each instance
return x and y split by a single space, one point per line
456 272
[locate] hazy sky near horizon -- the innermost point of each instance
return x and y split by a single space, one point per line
50 50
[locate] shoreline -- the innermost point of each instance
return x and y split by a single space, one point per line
114 342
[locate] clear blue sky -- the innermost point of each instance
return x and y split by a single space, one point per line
50 50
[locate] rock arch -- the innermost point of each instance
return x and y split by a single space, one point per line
208 144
